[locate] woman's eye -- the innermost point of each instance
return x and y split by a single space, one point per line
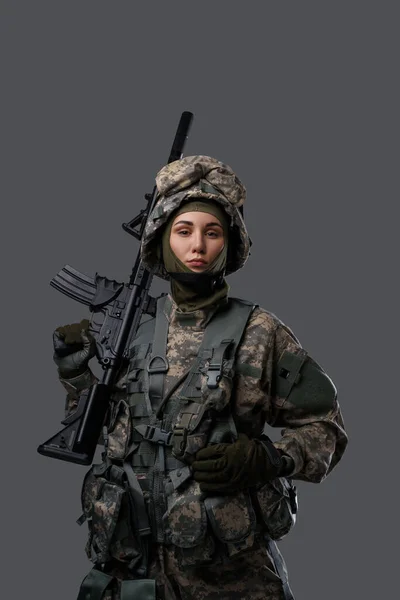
183 232
212 233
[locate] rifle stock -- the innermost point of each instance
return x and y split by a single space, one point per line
78 440
117 309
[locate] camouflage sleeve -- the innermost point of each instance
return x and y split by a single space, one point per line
313 435
314 439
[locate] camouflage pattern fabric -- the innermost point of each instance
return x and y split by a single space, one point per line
186 179
249 577
186 172
315 442
314 438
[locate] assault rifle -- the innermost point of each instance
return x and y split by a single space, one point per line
117 309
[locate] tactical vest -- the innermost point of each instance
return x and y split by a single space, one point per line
143 491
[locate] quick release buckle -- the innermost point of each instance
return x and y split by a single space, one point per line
155 435
214 371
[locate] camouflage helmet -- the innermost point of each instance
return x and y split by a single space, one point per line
196 177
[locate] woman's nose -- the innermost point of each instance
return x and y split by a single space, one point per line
198 242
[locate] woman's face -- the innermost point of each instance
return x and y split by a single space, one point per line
196 239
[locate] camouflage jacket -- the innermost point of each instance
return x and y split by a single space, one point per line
315 441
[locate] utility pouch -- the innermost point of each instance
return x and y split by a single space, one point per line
233 520
119 431
277 504
107 505
185 525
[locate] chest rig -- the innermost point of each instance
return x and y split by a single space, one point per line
151 436
143 491
171 420
170 428
166 430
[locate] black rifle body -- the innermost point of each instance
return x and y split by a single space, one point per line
116 313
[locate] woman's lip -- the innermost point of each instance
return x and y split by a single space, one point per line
197 262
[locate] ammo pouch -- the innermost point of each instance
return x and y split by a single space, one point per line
108 507
196 524
185 524
233 520
276 502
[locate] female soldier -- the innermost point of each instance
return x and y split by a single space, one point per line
191 493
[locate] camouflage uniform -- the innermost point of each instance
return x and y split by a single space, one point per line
313 436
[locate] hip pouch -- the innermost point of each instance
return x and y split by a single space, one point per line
194 523
276 502
108 508
233 520
186 526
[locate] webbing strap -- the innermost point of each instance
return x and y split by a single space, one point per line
143 460
138 589
228 324
279 563
135 387
138 410
158 364
143 524
94 585
222 334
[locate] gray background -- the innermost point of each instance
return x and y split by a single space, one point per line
301 99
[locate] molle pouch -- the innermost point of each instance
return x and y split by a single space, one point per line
190 432
119 431
233 520
197 418
277 504
106 505
185 525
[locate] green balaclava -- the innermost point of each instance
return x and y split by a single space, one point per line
193 291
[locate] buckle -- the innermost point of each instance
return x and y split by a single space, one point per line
179 439
214 371
157 435
161 369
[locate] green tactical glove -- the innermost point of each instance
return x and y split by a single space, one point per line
228 468
73 348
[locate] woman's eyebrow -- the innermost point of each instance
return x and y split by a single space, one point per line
190 223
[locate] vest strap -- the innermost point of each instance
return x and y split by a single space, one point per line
138 410
158 363
135 387
143 460
143 525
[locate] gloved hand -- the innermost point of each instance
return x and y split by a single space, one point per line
73 348
228 468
